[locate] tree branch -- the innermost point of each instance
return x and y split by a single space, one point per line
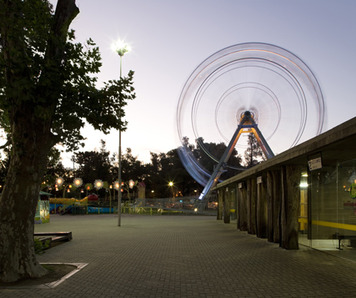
66 11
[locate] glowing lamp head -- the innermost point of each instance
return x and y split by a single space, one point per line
116 185
98 184
131 183
78 182
121 47
59 181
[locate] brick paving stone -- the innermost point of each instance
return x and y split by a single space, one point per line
184 256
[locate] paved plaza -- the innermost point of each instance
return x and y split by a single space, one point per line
184 256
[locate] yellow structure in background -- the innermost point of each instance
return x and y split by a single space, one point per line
71 201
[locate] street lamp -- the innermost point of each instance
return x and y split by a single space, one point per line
59 181
98 184
121 48
78 182
171 184
131 183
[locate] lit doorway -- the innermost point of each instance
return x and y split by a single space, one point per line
303 209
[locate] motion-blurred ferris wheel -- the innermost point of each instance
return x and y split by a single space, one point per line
245 85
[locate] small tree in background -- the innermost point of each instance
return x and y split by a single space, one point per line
93 165
253 154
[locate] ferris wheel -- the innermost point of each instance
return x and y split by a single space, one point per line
250 87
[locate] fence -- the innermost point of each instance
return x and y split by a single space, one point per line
178 205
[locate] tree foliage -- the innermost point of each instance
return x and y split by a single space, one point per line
93 165
132 168
165 168
209 154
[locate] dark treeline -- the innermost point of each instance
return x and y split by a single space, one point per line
155 176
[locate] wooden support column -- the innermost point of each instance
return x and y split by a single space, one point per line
219 214
277 205
226 205
233 201
242 207
269 198
290 178
261 208
251 206
274 193
238 206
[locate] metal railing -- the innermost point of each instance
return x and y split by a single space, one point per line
177 205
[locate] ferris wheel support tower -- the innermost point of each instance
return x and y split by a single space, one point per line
247 125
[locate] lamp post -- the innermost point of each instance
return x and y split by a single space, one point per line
171 184
59 183
78 183
121 48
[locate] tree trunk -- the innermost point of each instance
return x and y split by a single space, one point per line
18 204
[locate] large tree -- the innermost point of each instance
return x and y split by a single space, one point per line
47 92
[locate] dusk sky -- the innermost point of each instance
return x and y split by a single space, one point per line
169 39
